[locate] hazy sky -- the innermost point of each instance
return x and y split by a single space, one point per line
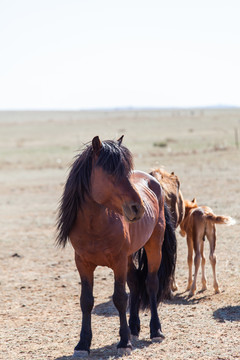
78 54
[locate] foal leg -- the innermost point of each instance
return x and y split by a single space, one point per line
120 299
196 241
204 281
86 301
154 256
190 261
211 235
132 280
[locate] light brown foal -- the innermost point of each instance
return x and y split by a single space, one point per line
198 223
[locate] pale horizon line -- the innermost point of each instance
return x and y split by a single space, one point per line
123 108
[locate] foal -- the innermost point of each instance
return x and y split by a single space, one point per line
199 221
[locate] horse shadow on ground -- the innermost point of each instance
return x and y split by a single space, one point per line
107 309
184 299
109 351
227 313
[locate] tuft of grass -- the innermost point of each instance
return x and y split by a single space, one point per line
160 144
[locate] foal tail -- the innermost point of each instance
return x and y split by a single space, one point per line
167 267
220 219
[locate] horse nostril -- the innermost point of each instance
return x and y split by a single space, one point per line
135 208
133 212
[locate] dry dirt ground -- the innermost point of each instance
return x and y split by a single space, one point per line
39 313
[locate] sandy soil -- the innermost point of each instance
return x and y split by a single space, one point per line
39 313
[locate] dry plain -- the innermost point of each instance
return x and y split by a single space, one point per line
39 285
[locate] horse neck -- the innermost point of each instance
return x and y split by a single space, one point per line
90 208
94 219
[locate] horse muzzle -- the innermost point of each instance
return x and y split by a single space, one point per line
133 211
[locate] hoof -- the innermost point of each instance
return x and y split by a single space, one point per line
158 339
217 291
174 287
189 285
124 351
170 295
191 292
134 337
78 354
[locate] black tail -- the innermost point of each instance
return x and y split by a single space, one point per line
167 267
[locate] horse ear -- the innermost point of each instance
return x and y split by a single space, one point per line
194 200
120 140
97 145
172 173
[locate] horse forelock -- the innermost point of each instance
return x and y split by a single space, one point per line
115 159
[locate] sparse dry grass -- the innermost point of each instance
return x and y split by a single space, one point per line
40 316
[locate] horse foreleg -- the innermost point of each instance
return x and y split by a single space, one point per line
120 299
86 301
133 284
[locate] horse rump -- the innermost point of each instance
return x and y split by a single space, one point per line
167 267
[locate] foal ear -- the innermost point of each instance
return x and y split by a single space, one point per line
194 200
120 140
97 145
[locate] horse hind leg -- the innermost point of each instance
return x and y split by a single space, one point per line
190 262
197 239
204 281
211 235
154 256
134 300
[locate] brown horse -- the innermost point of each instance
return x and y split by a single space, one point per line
115 217
173 195
198 223
174 199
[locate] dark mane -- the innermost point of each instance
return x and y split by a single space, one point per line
115 159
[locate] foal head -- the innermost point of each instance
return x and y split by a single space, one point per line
110 179
189 205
